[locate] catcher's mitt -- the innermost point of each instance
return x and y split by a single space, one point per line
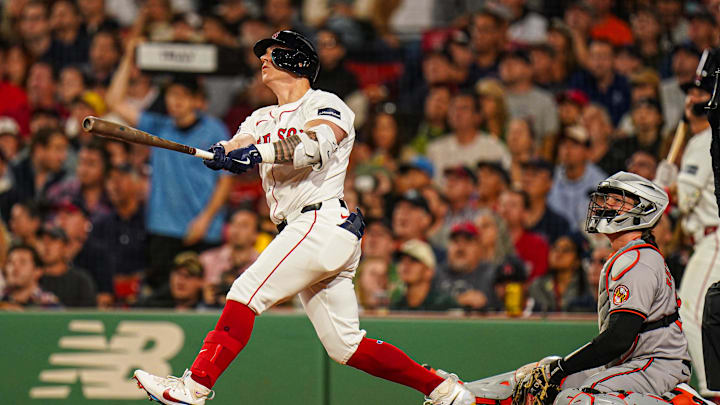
535 389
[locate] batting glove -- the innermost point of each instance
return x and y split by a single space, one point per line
355 224
243 159
218 159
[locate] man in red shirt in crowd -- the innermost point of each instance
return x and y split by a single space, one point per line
529 246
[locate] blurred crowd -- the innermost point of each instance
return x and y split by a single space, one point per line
482 126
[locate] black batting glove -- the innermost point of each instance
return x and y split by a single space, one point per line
355 224
243 159
218 160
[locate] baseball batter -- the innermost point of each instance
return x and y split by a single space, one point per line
697 202
302 147
641 347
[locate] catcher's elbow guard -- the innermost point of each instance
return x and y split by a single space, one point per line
315 153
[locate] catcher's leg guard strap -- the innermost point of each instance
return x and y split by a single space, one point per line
218 351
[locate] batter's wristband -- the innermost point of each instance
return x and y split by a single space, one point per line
267 152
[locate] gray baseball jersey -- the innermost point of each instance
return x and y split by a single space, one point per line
636 280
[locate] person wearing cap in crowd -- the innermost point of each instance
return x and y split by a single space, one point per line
466 145
702 31
530 247
87 187
124 230
185 205
22 289
433 123
524 98
411 217
72 286
9 138
541 219
414 174
493 179
644 84
600 82
565 287
457 46
570 106
184 289
575 176
697 202
647 123
464 275
683 62
460 183
416 269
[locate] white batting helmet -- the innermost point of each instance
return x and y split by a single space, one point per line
649 203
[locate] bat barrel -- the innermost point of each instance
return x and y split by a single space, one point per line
88 123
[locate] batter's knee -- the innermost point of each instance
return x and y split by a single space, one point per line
341 348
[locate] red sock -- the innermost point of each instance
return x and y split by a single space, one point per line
221 345
386 361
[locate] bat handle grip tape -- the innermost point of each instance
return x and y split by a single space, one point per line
203 154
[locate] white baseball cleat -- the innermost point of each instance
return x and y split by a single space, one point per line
173 390
451 392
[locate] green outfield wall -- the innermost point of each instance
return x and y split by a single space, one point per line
88 357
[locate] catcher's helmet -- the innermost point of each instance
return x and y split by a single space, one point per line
296 55
648 203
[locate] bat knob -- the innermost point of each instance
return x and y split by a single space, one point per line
88 122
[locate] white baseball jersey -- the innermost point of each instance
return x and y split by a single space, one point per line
696 189
696 199
287 189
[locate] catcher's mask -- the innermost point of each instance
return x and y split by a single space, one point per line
625 202
295 55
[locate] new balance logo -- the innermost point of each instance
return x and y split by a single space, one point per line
103 366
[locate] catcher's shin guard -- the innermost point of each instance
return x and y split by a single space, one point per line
587 396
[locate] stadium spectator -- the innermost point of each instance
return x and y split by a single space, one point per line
184 289
87 187
383 143
71 285
607 26
25 221
104 56
494 114
596 121
684 61
95 17
34 28
433 123
521 145
542 58
70 45
643 164
702 31
645 84
462 58
16 64
464 275
526 26
574 177
372 284
415 174
41 87
466 145
334 76
526 100
672 18
43 118
460 183
439 209
645 24
598 256
416 270
283 15
378 240
530 247
565 288
488 33
542 219
411 217
627 61
601 83
493 179
571 104
436 70
42 168
71 84
22 289
647 121
123 230
494 240
9 138
14 102
186 201
239 250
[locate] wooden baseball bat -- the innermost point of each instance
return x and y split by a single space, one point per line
112 130
677 142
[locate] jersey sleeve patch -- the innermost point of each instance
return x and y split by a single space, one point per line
329 112
621 294
691 169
